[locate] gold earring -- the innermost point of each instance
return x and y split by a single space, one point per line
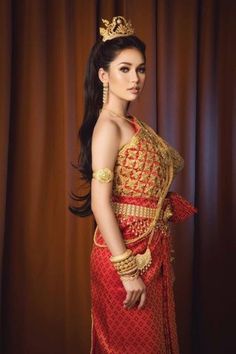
105 93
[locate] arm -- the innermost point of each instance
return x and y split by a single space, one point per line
105 145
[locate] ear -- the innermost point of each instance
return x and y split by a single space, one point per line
103 75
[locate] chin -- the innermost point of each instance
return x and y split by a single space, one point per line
133 98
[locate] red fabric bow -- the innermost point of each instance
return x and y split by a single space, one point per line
180 207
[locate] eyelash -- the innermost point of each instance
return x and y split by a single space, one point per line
125 69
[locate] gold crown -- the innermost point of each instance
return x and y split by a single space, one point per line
119 27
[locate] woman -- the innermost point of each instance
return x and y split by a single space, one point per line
130 169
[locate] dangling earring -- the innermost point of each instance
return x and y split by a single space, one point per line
105 93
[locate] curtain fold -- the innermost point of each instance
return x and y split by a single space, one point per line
214 308
5 88
189 98
177 41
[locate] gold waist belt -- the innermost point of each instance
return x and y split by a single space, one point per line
139 211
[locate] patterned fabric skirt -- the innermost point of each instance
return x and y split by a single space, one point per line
151 329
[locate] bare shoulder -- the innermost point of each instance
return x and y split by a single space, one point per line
107 123
106 128
105 143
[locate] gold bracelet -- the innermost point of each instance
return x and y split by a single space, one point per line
121 257
125 265
128 271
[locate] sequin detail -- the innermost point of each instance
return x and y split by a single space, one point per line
141 164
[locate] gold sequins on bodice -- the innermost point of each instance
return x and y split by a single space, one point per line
141 166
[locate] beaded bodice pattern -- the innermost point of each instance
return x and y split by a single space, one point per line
141 166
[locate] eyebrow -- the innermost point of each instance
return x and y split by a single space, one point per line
124 62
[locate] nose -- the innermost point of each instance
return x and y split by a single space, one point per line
134 76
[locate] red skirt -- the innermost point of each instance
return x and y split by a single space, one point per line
151 329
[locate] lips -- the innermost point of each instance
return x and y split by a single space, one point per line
134 89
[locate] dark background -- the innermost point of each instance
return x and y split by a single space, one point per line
189 99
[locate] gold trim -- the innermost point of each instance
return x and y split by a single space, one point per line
133 210
169 178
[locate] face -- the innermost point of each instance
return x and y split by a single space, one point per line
126 75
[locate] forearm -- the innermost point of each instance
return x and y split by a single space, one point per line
108 225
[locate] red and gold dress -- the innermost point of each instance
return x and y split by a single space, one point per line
143 173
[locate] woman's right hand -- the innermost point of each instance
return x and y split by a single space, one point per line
135 291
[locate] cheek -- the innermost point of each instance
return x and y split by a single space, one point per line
118 78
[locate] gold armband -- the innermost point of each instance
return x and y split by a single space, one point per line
104 175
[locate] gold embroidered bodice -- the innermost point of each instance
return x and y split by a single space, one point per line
141 165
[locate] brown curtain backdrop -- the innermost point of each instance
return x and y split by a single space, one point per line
189 98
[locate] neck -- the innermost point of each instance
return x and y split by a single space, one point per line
117 106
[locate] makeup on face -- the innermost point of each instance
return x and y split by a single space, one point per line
127 74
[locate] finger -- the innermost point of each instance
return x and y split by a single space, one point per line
128 298
131 302
142 300
135 298
132 299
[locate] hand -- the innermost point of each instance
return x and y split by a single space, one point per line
136 290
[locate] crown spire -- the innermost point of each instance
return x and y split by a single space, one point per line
119 27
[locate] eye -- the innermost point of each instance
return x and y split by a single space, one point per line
142 69
124 69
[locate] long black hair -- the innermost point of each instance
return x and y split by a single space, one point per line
101 55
